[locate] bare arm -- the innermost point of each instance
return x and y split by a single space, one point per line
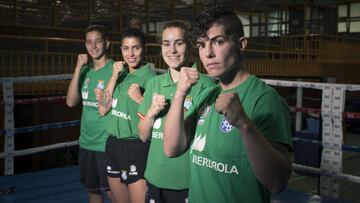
146 123
73 94
175 138
106 98
270 164
175 131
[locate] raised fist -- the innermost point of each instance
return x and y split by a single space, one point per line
82 60
158 103
118 66
188 77
134 92
230 105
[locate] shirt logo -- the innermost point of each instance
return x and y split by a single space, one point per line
86 83
157 123
225 126
85 94
114 102
198 143
203 113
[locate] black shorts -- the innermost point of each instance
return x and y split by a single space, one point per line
93 170
159 195
126 159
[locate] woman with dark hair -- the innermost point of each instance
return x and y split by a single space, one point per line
126 154
239 132
92 73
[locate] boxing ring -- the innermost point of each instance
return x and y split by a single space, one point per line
62 184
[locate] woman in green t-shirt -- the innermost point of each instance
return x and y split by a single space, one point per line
126 154
167 179
90 77
238 133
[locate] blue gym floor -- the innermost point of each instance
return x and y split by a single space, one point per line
62 185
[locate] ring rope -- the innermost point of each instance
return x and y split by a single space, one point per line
344 147
42 127
318 171
42 149
37 100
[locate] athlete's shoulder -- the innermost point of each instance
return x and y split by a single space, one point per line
207 81
209 93
109 63
146 70
258 86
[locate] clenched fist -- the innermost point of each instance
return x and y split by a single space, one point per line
158 103
230 105
134 93
188 77
82 60
118 66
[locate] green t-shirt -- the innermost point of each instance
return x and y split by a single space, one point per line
123 119
161 171
92 130
219 166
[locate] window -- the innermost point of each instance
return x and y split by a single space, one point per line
349 18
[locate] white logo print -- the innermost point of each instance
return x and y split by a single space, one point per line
86 83
85 94
203 112
133 170
123 175
199 143
114 102
225 126
157 123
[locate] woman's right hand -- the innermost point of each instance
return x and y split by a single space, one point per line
157 105
82 60
118 66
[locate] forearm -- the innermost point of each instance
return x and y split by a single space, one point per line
106 98
145 127
175 139
73 93
271 167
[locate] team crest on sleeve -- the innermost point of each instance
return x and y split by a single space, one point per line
188 102
204 111
225 126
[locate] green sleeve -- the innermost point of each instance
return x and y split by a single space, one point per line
83 71
149 76
205 98
145 104
272 118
